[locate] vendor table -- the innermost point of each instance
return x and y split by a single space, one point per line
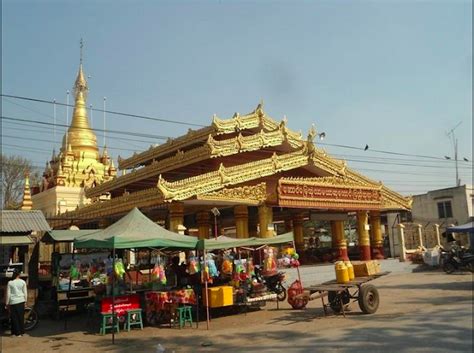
71 300
156 302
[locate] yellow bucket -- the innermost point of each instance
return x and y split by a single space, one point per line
342 274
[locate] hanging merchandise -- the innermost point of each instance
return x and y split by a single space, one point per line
74 272
226 267
269 264
250 267
119 268
212 266
294 260
193 266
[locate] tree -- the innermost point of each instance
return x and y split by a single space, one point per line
14 169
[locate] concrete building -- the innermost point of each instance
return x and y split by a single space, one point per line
444 206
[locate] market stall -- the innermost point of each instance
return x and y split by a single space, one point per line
229 275
133 231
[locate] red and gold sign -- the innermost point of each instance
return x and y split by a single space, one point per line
311 194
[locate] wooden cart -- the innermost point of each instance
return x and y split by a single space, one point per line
340 295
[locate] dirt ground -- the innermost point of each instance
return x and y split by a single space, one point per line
419 312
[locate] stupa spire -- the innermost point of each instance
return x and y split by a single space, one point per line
80 135
27 204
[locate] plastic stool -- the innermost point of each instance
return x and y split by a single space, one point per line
134 321
109 321
185 315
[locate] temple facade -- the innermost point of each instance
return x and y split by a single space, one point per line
246 173
78 164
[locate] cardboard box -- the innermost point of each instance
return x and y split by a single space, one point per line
366 268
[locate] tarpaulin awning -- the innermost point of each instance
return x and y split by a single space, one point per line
135 230
224 242
463 228
66 235
15 240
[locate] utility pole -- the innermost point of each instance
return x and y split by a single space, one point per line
451 135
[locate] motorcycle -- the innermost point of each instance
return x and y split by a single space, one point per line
31 318
457 258
273 282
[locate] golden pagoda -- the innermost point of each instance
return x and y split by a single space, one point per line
78 165
257 173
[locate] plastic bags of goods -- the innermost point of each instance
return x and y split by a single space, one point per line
226 267
159 274
119 268
269 263
250 267
193 266
295 298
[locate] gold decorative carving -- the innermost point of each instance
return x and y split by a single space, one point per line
253 195
200 184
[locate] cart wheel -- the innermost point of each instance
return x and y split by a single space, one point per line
335 300
368 299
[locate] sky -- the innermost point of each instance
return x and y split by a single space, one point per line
393 75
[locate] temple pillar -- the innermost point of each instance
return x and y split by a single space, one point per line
241 215
376 235
298 231
436 230
339 240
401 234
265 219
203 220
176 215
364 239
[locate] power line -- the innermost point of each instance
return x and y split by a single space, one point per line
49 131
107 111
138 134
42 140
199 125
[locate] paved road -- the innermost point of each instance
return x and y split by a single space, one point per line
420 312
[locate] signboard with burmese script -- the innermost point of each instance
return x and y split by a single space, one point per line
327 194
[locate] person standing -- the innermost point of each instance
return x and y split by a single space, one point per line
16 300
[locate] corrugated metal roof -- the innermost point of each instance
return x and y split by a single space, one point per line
23 221
16 240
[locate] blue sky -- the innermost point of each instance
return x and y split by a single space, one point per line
395 75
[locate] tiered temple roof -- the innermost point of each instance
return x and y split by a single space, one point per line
248 158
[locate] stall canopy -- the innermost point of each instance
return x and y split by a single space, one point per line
224 242
135 230
67 235
463 228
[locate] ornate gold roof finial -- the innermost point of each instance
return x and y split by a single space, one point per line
27 204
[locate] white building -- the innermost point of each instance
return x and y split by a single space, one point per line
444 206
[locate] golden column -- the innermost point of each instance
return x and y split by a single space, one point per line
376 235
203 220
339 240
241 215
298 231
265 218
176 214
364 239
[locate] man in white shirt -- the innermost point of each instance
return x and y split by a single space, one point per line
16 300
